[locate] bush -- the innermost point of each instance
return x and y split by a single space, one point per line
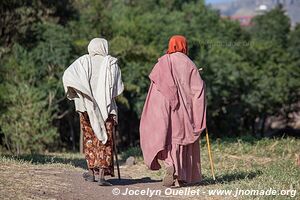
26 119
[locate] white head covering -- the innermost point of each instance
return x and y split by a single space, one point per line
98 46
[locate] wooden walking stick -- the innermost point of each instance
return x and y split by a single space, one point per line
210 156
208 148
115 152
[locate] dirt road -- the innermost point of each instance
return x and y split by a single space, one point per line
23 180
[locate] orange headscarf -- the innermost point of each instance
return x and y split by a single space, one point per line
178 43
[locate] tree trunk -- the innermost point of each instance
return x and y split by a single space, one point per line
262 127
253 127
72 133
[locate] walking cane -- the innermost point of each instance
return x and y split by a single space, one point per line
115 152
210 156
208 147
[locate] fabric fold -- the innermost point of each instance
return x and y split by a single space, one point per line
162 77
78 87
174 112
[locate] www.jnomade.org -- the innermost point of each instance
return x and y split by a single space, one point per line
197 192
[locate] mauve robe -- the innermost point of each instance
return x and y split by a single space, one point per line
174 116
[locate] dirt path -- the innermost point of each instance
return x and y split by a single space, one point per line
132 181
24 180
135 180
81 189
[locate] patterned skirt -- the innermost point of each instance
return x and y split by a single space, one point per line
98 155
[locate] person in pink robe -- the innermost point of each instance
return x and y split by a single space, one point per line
174 116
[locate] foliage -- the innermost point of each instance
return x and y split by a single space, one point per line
250 74
274 26
19 17
26 120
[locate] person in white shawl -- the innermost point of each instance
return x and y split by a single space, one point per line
93 81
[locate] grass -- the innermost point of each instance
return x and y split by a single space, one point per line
250 164
239 163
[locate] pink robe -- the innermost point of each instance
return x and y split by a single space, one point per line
174 116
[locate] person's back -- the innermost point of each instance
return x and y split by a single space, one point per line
93 81
189 86
96 64
176 105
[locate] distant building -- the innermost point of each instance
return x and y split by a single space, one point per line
262 8
244 11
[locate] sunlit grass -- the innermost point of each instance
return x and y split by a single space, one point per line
261 164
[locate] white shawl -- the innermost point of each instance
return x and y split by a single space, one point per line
79 87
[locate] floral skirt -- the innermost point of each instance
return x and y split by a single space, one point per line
98 155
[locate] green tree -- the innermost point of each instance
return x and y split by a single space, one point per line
19 17
26 120
271 77
273 26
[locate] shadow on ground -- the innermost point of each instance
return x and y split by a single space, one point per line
229 177
128 181
49 159
223 179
